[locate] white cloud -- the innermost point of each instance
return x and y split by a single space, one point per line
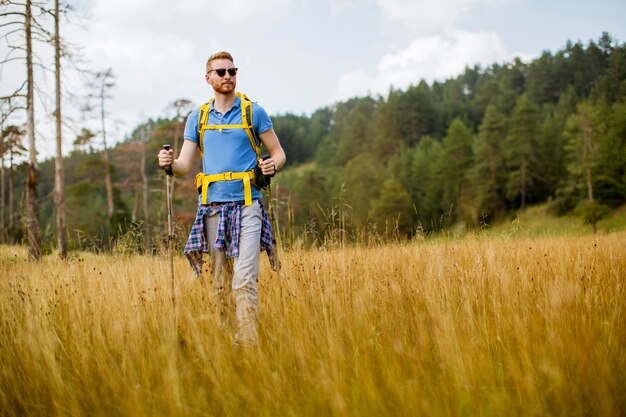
433 57
427 16
157 48
339 7
436 49
192 12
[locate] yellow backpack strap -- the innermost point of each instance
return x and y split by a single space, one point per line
246 119
203 117
246 123
203 181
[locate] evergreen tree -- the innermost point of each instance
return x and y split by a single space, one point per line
393 211
455 164
489 171
294 138
312 202
511 80
543 82
361 180
613 157
521 151
354 129
387 136
585 132
399 167
425 189
453 103
320 125
416 114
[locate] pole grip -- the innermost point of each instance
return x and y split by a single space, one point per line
168 168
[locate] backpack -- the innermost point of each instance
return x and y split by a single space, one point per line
246 123
254 176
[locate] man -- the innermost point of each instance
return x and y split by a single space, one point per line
231 224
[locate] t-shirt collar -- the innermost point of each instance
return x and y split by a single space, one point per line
237 103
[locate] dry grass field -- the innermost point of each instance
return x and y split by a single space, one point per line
479 326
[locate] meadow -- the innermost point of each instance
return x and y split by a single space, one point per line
485 325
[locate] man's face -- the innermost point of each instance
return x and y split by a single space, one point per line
222 84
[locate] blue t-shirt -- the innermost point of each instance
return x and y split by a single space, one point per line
229 150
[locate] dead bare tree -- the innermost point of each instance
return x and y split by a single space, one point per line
12 137
10 145
100 86
20 20
144 137
59 175
32 174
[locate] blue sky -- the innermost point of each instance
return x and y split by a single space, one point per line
299 55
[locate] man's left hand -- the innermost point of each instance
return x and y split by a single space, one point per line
268 166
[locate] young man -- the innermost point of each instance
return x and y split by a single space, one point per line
231 224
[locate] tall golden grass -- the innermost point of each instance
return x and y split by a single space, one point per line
453 327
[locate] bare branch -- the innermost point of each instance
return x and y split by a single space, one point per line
11 23
42 29
40 38
12 3
15 93
13 14
18 48
12 32
17 58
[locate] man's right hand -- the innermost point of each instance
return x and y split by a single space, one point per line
165 157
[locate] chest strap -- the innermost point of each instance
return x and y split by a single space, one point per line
203 181
246 123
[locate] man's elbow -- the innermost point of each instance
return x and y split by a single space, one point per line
182 169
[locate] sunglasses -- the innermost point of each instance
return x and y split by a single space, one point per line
222 71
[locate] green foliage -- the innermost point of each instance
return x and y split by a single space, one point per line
131 240
295 138
416 113
612 179
521 153
425 189
591 211
393 209
352 126
362 186
455 167
489 171
475 146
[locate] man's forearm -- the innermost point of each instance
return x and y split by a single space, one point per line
180 169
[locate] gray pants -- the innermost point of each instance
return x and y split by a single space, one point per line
240 274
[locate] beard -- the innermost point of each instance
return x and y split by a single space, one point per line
226 87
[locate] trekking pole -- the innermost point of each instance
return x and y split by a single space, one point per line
170 234
277 243
275 228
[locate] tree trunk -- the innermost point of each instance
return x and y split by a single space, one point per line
11 182
3 238
144 183
32 175
136 204
59 180
105 159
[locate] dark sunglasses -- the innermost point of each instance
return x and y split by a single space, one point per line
222 71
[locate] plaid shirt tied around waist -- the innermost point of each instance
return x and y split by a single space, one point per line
227 236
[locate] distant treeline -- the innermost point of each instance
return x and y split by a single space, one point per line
469 150
460 153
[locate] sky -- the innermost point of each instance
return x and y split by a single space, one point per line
296 56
